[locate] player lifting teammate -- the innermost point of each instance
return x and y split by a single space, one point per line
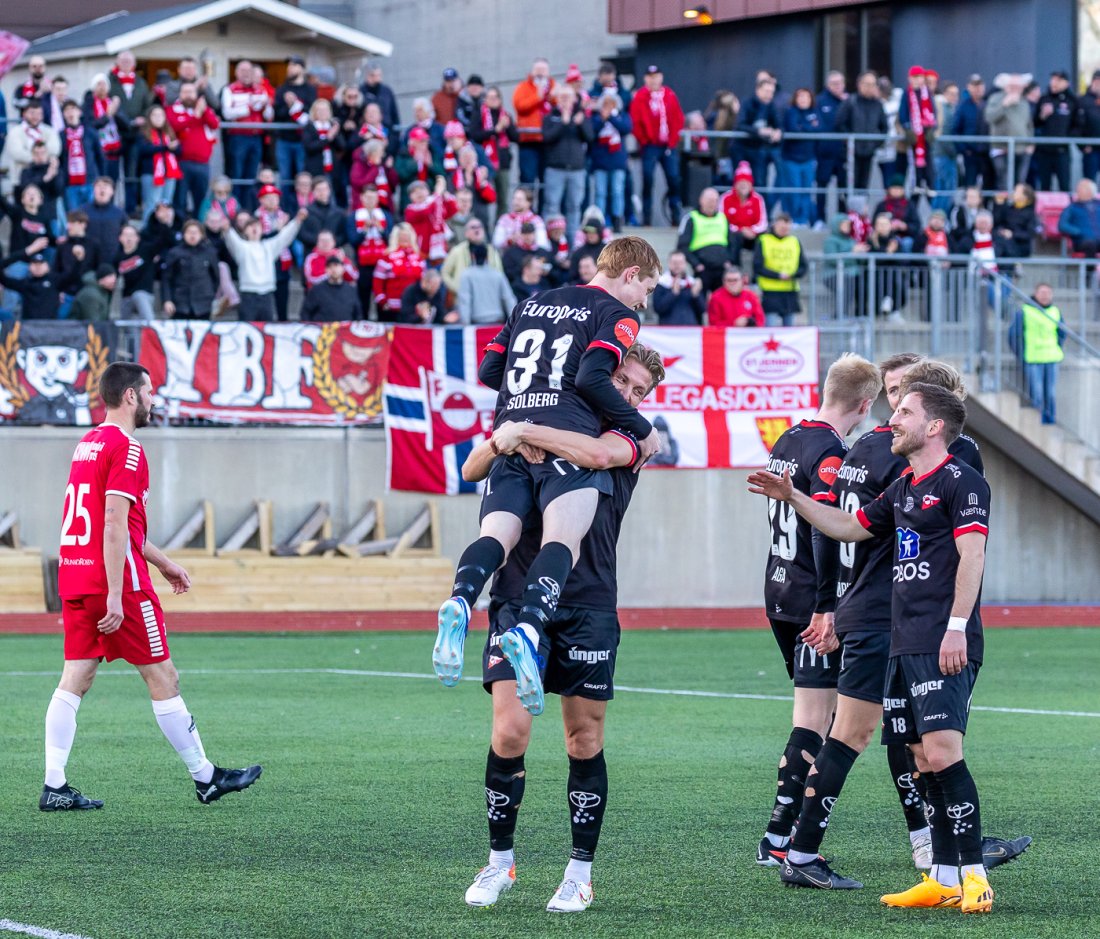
862 624
109 607
552 363
800 582
939 515
579 646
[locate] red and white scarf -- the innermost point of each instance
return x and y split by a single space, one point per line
922 114
374 132
495 144
165 165
326 130
29 89
32 133
657 106
77 161
371 223
376 176
126 80
610 137
450 159
109 140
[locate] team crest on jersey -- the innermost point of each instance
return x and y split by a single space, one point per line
349 365
908 544
771 429
929 500
50 371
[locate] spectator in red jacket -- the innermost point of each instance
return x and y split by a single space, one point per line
446 99
315 268
658 120
246 101
745 209
733 304
400 267
370 232
196 125
369 169
428 216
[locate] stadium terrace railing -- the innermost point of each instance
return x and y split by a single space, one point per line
955 309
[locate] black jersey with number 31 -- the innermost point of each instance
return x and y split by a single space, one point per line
544 340
812 452
863 587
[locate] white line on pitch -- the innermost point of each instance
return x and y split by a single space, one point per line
9 925
369 673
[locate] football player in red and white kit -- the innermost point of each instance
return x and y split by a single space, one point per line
109 607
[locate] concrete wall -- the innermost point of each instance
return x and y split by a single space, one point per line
691 538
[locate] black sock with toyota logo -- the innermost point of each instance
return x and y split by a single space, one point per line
504 780
960 796
823 786
908 783
945 855
587 801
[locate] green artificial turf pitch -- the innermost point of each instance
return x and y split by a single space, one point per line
370 818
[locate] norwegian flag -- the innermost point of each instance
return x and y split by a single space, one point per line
435 409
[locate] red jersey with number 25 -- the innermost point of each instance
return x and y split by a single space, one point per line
107 461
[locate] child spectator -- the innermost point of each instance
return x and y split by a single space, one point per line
935 235
428 216
76 256
190 278
134 263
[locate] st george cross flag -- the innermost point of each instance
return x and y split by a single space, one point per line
435 409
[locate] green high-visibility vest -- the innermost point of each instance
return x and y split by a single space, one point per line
782 256
707 230
1041 334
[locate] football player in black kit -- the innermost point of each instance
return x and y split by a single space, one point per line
552 362
862 623
579 645
938 514
800 583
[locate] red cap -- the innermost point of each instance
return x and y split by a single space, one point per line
744 171
573 74
916 71
418 133
931 73
269 190
454 129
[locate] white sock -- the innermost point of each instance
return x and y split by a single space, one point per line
60 733
502 859
777 841
945 874
800 857
179 727
920 834
976 869
530 632
580 871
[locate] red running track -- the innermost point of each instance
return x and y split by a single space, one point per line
630 618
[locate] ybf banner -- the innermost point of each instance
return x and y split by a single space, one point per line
729 393
436 409
268 373
50 370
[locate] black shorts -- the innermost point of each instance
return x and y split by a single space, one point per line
919 698
804 665
579 648
519 487
864 655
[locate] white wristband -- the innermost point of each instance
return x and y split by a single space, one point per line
956 624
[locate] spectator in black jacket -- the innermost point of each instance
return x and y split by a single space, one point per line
29 219
532 279
1056 116
760 118
1089 125
593 245
425 302
105 219
525 246
332 300
293 99
970 122
39 297
322 214
1014 222
104 114
832 158
566 134
373 89
468 105
902 211
76 255
322 140
190 276
493 129
863 113
163 231
960 225
678 298
135 265
81 159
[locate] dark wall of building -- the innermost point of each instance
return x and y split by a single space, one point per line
985 36
700 60
956 37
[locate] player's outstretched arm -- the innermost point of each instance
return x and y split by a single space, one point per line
176 576
836 523
606 452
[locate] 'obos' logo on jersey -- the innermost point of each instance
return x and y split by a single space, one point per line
908 544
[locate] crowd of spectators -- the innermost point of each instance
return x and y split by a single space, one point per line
477 202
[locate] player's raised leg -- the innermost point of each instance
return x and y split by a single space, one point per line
505 778
587 800
178 726
57 795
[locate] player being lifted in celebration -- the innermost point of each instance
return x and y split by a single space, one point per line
579 646
552 363
109 607
862 624
800 583
939 515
